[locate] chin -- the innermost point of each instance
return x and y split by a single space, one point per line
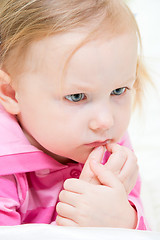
81 158
76 156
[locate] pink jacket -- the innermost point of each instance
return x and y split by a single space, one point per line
30 180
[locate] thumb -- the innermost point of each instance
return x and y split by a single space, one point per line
87 174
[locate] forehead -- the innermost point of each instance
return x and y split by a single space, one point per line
57 50
112 60
52 50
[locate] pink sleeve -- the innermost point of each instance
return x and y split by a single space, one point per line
134 196
135 201
9 202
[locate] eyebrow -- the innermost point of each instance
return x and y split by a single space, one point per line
81 87
131 79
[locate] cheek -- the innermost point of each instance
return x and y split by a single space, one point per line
58 127
124 115
127 113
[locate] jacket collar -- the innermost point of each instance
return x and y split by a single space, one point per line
12 138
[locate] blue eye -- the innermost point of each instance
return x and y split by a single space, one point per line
75 97
118 91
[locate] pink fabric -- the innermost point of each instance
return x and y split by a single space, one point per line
30 180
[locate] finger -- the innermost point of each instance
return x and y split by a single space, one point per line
129 173
87 174
105 176
61 221
116 162
129 168
117 158
113 147
76 185
130 183
66 210
69 197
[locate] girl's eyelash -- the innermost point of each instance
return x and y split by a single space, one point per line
119 91
77 97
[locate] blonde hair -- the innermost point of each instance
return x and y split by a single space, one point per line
23 21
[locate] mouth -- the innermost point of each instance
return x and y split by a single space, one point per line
98 143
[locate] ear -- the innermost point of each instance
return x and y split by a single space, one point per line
8 94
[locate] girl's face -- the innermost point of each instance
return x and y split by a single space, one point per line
67 114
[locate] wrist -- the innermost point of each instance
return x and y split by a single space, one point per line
131 218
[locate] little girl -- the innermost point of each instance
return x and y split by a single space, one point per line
69 72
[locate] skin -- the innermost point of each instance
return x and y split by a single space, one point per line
95 205
101 75
100 116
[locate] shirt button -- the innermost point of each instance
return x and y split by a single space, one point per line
75 173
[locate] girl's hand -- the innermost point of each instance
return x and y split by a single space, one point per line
89 205
123 163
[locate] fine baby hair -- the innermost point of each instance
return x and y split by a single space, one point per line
69 72
23 22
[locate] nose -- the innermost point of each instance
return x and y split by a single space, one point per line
102 119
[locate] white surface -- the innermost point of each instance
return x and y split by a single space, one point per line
49 232
145 129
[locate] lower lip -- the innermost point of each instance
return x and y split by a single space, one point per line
97 144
